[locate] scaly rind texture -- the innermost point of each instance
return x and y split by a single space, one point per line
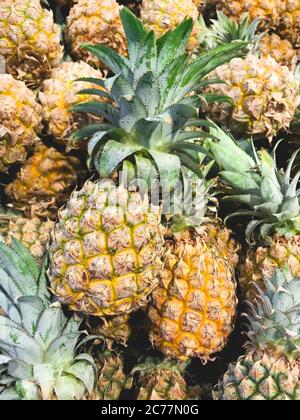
115 328
59 93
29 40
282 252
161 381
34 234
112 379
260 376
95 22
106 249
267 11
265 96
290 22
280 49
20 121
194 307
44 183
162 16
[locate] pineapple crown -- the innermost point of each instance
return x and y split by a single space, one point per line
274 319
224 30
151 104
38 344
270 194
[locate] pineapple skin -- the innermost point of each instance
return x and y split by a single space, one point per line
280 49
194 307
267 11
44 183
162 16
290 22
265 96
281 252
34 234
59 93
260 376
20 121
105 260
34 49
112 379
162 384
95 22
114 329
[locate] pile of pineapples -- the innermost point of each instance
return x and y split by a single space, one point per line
108 291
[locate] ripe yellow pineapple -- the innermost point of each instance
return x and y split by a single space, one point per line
44 182
105 256
94 22
29 40
163 15
20 121
269 197
105 251
290 22
33 233
265 96
59 93
270 370
194 307
280 49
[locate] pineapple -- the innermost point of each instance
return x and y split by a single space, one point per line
194 307
290 22
29 40
20 121
280 49
270 370
107 245
33 233
94 21
44 182
112 380
113 329
270 197
223 30
282 16
264 96
267 11
162 16
40 359
162 380
59 93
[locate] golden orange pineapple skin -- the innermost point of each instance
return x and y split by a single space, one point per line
105 259
280 49
95 22
33 233
59 93
29 40
267 10
44 183
265 96
164 15
20 121
262 262
194 307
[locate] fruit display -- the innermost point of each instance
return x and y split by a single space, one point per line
149 201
